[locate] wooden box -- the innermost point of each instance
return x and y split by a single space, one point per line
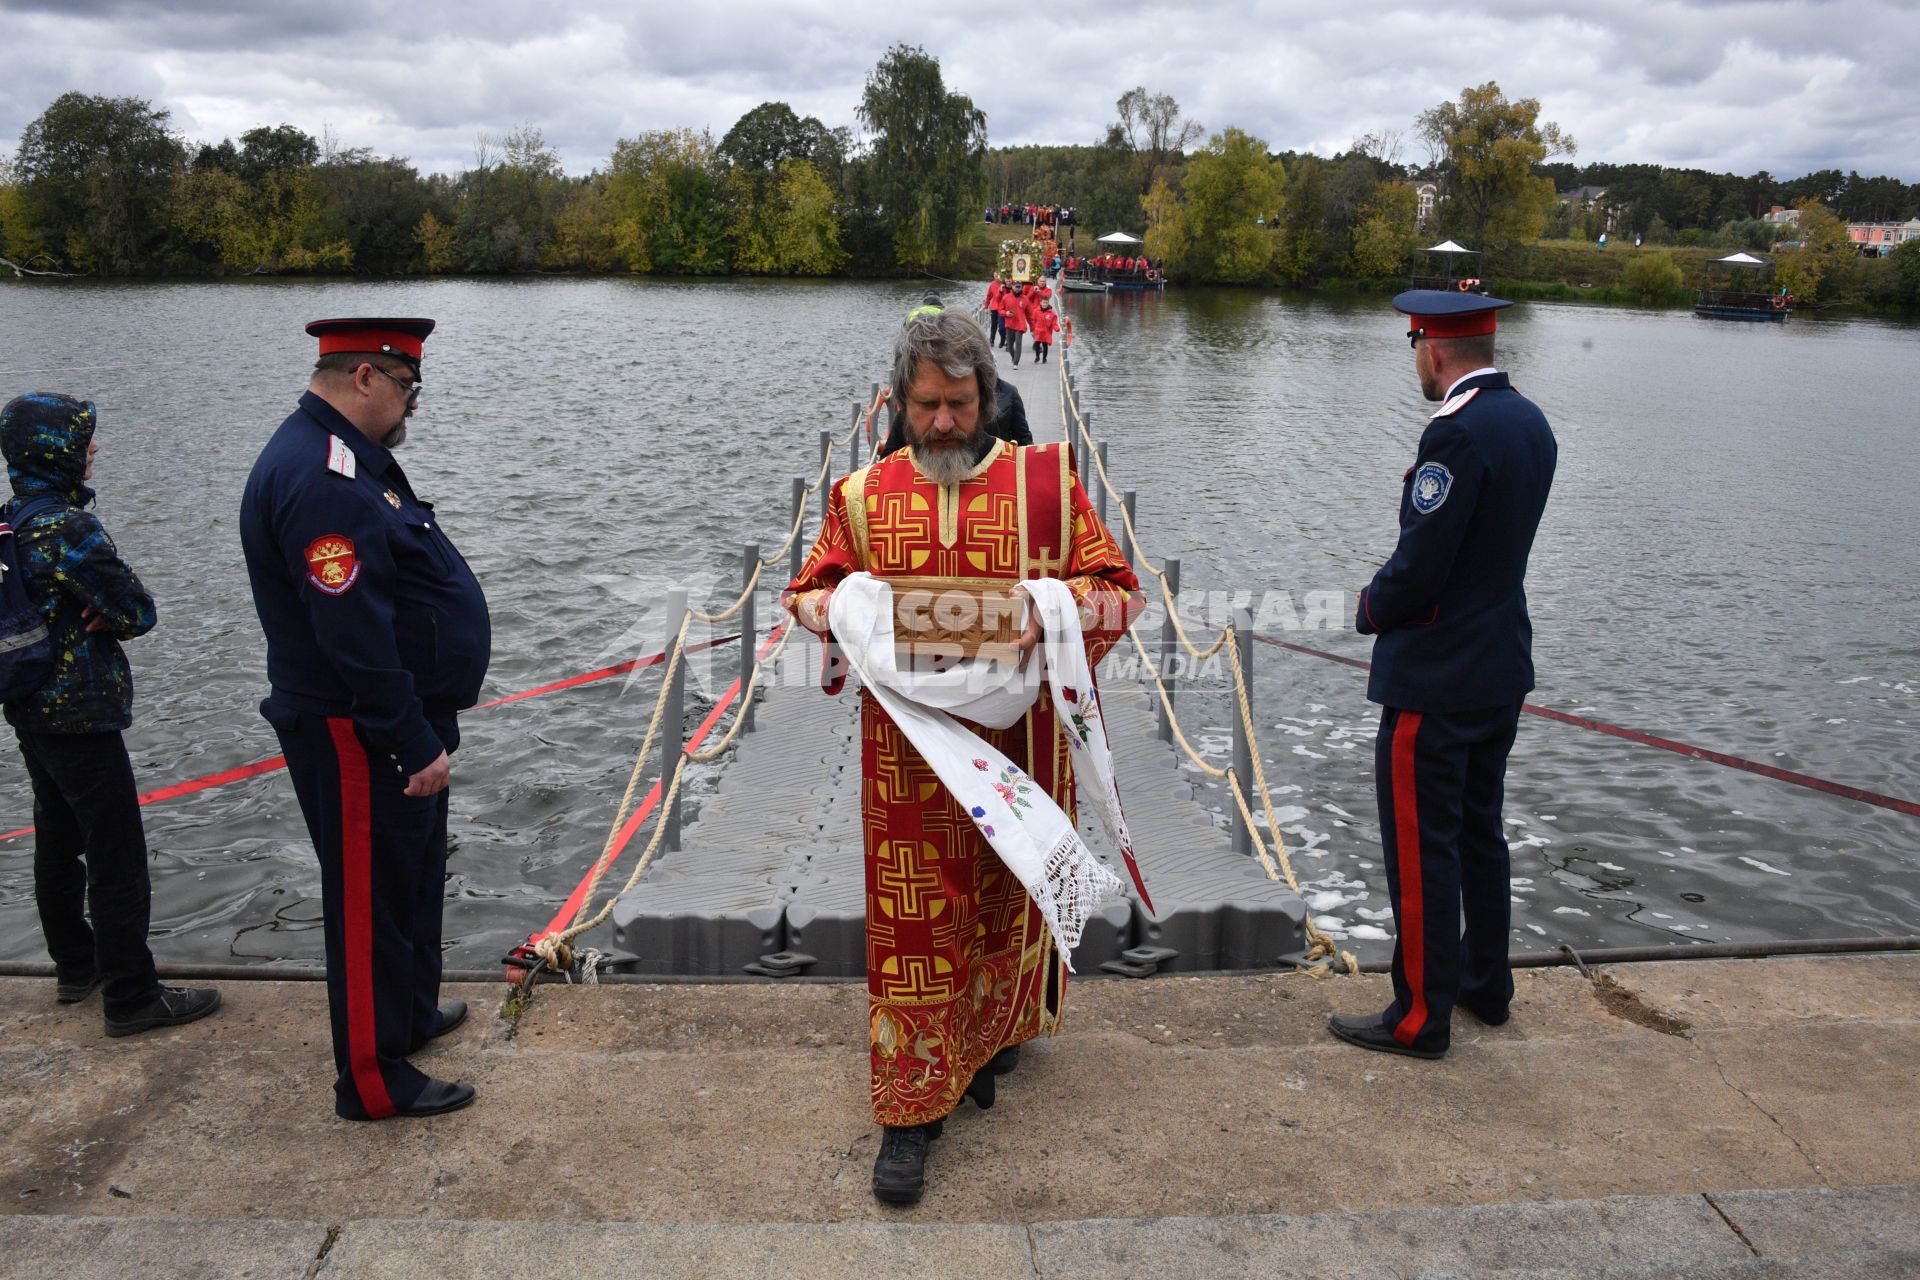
938 618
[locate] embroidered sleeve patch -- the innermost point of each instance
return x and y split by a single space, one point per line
331 564
1430 485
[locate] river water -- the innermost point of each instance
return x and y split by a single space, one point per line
1727 561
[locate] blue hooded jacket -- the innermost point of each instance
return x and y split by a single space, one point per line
70 564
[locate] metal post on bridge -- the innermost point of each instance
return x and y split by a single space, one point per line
673 724
795 522
1099 478
1169 647
1242 744
825 473
1127 546
853 438
749 561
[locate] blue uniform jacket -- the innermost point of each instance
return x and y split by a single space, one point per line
1450 607
368 610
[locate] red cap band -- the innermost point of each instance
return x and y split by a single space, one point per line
400 344
1467 325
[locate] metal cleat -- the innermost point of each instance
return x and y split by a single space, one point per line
1140 962
782 964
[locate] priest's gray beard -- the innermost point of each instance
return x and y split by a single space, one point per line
949 462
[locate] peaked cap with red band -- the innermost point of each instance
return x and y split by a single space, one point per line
1436 313
403 338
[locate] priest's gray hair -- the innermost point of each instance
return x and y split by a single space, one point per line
955 343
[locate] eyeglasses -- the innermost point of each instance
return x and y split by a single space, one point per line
1413 338
411 388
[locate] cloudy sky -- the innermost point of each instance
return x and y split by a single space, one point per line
1736 85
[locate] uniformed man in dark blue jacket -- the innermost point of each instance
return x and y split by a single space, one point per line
377 636
1451 665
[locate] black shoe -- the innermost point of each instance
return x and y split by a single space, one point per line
1370 1033
169 1007
1492 1017
1005 1060
74 990
981 1088
449 1015
438 1098
900 1170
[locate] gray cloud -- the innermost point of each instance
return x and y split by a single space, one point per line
1739 85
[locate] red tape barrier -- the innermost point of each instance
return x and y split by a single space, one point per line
1840 789
275 763
571 907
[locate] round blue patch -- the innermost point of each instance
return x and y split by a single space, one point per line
1431 484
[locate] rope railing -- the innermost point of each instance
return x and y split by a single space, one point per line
1268 844
554 950
863 423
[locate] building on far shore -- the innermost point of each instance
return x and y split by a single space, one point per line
1587 199
1428 194
1876 239
1781 214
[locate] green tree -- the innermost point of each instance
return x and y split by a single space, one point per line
924 173
583 230
508 202
1487 148
1232 187
20 241
374 204
792 229
665 191
1653 277
439 244
1822 260
97 174
772 134
1388 231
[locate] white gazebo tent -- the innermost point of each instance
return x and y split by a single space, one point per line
1741 260
1119 237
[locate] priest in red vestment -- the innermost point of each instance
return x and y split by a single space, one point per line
960 966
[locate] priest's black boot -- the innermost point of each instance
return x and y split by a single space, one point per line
981 1087
900 1170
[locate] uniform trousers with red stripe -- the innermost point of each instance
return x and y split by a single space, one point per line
383 861
1441 778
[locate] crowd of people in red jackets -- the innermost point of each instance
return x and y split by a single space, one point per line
1110 266
1015 309
1032 215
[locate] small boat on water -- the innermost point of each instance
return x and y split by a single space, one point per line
1079 284
1747 298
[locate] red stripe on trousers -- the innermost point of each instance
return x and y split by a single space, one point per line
1406 827
356 893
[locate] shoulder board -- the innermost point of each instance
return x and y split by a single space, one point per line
340 459
1456 404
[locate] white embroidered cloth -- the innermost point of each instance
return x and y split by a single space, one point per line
1030 833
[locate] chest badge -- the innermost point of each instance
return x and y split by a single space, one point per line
1430 485
393 499
332 566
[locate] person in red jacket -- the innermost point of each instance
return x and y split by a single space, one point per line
1016 305
994 289
1045 322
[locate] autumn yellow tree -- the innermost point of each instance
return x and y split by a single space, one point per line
1487 147
1824 255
